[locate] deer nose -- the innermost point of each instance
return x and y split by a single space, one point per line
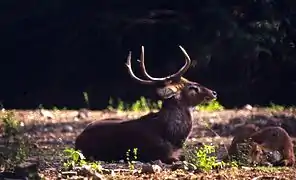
214 93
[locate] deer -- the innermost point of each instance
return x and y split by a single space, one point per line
271 138
275 138
157 136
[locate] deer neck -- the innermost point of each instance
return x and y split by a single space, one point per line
177 120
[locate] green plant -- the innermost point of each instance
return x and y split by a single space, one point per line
130 158
120 105
275 107
211 106
110 104
143 104
11 126
17 146
76 159
86 98
203 159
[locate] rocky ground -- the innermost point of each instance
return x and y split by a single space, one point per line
51 135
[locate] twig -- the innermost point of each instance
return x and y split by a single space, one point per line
266 177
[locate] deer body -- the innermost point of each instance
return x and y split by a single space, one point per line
272 138
276 139
157 136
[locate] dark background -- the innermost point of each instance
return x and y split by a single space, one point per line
52 51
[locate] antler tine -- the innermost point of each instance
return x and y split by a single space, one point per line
185 66
187 62
144 68
177 74
129 67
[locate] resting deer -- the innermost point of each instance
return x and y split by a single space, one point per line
157 136
276 139
272 138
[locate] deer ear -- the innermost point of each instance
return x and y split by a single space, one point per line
167 91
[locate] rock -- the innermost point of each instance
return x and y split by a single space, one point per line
67 174
45 113
87 171
148 168
248 107
83 113
190 166
27 169
12 176
184 165
273 157
267 164
67 128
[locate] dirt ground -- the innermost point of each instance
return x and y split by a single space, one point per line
52 136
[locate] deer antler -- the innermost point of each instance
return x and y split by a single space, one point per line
153 80
177 74
129 67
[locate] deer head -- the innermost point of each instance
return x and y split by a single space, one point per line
175 86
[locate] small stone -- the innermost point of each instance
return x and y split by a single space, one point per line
246 168
158 162
248 107
190 167
12 176
45 113
184 165
22 124
27 169
67 128
267 164
148 168
66 174
211 120
177 165
86 170
273 157
83 113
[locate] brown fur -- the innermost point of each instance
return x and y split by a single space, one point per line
276 139
269 138
156 135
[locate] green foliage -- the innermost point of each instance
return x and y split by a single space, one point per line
143 104
76 159
204 159
140 105
10 124
275 107
16 145
131 156
211 106
55 108
86 98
